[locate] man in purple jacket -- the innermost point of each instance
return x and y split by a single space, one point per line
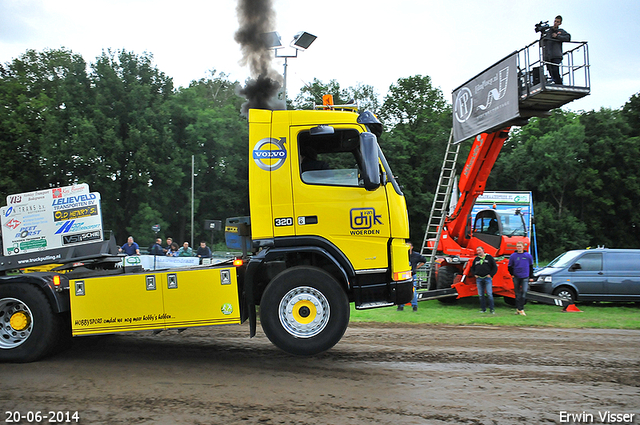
521 268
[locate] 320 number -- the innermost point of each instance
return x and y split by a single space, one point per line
286 221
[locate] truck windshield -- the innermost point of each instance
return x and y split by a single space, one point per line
512 223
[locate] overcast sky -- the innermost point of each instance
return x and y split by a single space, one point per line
370 42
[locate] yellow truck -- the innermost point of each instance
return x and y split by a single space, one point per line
328 227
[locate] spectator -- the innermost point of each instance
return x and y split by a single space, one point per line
168 247
185 251
203 250
173 250
156 248
521 268
130 248
484 267
416 260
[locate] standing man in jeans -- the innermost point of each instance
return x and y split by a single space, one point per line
521 268
484 268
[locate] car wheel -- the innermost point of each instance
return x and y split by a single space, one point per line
566 293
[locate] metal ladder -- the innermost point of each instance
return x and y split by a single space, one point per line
440 206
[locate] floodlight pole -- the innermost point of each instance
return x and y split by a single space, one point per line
284 86
301 41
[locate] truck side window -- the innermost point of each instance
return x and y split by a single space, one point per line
331 159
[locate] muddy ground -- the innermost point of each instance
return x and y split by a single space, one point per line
377 374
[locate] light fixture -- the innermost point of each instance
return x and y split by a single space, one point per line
271 40
301 41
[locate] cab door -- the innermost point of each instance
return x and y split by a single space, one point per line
330 200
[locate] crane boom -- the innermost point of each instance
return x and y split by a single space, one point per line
473 179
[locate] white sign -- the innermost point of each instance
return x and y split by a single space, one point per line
49 219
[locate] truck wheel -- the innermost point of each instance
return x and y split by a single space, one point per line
28 327
446 274
445 277
509 301
304 311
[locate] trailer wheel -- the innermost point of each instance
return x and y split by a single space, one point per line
29 329
446 274
304 311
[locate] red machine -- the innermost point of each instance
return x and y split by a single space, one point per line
496 231
507 93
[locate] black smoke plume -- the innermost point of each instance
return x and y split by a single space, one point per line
257 17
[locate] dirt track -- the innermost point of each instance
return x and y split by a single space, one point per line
376 374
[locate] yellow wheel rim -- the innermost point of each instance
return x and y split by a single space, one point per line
19 321
304 312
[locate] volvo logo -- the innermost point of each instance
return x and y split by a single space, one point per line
270 154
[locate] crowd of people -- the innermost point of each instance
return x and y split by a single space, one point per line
170 250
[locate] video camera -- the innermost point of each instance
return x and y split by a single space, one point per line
542 26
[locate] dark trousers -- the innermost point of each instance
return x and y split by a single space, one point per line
554 70
520 287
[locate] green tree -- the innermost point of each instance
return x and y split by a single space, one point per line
419 123
134 153
631 114
44 127
610 185
206 123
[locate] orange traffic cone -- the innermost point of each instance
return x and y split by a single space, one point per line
571 308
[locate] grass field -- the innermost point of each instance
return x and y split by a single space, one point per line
466 311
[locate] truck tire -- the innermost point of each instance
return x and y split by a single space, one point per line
446 274
29 329
509 301
304 311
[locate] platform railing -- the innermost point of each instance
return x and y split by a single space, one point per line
534 74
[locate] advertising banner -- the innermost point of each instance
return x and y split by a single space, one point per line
49 219
487 101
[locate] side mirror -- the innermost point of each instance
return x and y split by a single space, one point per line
575 266
369 151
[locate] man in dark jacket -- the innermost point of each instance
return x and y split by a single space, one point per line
484 267
156 248
551 42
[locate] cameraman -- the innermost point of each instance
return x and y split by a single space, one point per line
551 41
